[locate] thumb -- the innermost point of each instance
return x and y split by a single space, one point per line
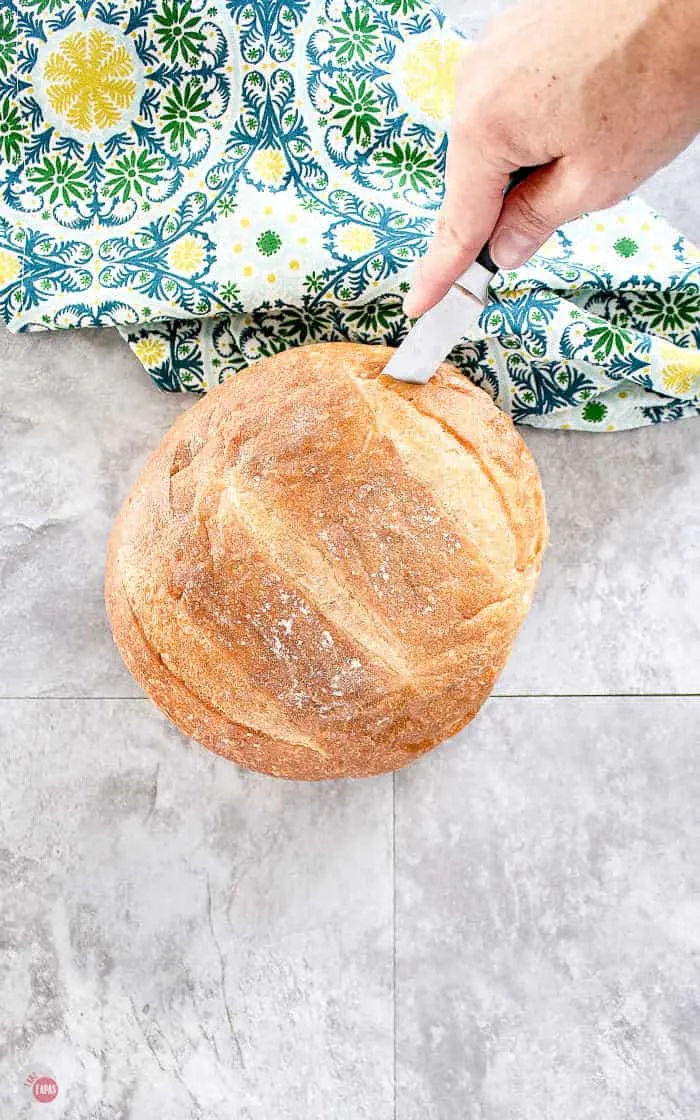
473 199
532 211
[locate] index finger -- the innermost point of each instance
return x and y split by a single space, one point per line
473 200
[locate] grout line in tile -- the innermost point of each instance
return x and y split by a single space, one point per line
594 696
493 696
97 699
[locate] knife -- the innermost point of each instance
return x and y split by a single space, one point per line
436 333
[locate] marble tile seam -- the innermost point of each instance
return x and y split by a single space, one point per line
37 699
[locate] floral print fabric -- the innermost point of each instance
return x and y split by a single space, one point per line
224 178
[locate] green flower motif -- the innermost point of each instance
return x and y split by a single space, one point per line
59 178
314 282
132 173
178 30
408 166
357 107
404 286
594 411
626 247
11 132
269 243
226 205
8 42
184 109
371 318
607 339
670 310
403 7
45 5
357 37
230 292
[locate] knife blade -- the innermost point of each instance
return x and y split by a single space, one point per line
440 329
436 333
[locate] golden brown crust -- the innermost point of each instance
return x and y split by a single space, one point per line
321 571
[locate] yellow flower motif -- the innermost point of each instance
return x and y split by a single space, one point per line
355 238
430 76
187 255
151 351
90 80
269 166
680 371
9 267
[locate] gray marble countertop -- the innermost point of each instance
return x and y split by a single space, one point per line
509 930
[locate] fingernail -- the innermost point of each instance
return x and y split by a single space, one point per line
510 249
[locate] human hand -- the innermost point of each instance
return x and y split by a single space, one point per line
600 94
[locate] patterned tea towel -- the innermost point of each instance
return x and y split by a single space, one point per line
224 178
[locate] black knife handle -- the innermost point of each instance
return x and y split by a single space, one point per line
515 179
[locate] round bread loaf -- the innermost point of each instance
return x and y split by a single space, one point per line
320 572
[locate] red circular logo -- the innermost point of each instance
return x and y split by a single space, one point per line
44 1087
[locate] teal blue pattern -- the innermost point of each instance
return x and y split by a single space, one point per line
222 179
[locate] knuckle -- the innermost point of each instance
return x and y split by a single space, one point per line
453 233
484 117
489 126
467 131
504 131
